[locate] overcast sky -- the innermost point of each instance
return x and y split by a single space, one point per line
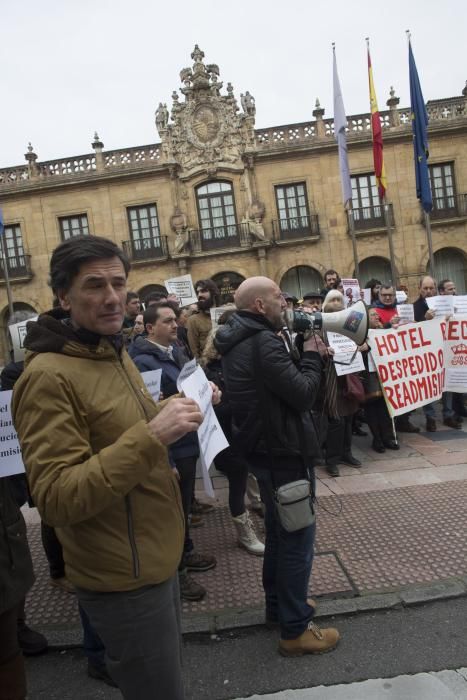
70 67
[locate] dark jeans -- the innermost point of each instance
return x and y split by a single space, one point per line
92 643
338 439
186 467
288 558
53 551
235 469
379 421
12 674
142 636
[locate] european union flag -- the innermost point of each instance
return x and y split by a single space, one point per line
420 136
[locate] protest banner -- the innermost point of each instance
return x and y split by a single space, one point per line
346 358
455 352
406 313
351 291
17 334
152 379
460 304
442 304
183 289
410 364
210 434
11 461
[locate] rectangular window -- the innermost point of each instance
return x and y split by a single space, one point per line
13 241
443 189
144 228
365 200
74 226
292 208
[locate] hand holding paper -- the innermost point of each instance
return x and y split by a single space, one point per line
179 417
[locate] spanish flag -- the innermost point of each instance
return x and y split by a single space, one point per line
376 130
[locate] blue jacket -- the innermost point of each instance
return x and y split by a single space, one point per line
147 357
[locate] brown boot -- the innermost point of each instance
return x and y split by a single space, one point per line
312 641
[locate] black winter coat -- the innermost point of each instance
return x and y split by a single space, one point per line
290 389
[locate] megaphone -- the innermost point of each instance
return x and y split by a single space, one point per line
351 322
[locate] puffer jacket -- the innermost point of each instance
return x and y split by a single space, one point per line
95 472
16 576
290 389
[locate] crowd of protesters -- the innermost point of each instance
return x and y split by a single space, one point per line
104 471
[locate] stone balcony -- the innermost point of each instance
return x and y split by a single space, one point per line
444 114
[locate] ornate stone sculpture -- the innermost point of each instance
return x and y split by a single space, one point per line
207 134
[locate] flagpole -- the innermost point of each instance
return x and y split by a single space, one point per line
395 276
351 222
431 259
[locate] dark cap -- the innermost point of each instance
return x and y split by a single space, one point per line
314 295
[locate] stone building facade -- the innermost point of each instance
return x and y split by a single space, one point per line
218 198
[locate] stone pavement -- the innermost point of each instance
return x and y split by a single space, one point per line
443 685
393 532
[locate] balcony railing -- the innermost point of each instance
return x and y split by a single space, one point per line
369 218
19 267
230 236
147 248
449 207
299 227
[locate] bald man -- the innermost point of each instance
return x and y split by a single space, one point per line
271 398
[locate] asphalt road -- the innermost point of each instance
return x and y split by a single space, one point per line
243 662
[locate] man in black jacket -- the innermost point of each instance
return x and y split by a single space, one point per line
271 399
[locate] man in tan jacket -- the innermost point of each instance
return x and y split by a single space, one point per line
95 449
199 324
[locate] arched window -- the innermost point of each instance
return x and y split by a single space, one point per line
374 267
217 218
300 280
227 283
451 264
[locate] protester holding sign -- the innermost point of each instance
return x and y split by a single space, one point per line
386 306
158 350
95 450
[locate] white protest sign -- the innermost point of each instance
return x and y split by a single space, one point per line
367 296
344 351
406 313
183 289
410 363
351 291
152 379
401 297
442 305
187 369
460 304
17 334
216 312
455 350
11 461
211 437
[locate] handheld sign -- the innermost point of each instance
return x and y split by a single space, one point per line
183 289
346 357
152 379
442 305
11 461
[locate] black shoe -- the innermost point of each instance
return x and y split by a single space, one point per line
351 461
195 561
406 427
358 431
451 423
391 445
189 588
431 425
332 469
100 673
31 642
378 446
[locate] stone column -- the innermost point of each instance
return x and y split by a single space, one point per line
318 114
31 157
98 147
392 104
262 261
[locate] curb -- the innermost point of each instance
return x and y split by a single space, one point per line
212 623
